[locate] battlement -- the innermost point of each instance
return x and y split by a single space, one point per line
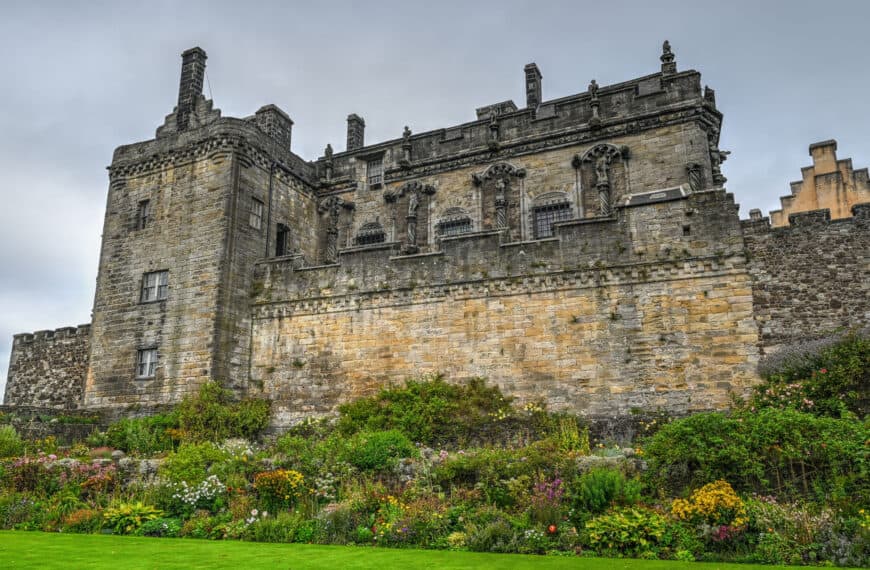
50 335
809 220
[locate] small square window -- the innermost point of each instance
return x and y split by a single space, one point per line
375 172
143 214
146 363
255 218
155 286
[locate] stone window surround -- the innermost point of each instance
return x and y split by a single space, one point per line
143 214
146 362
549 201
155 286
375 171
453 218
370 233
255 213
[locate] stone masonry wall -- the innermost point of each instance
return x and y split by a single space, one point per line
48 368
811 277
586 320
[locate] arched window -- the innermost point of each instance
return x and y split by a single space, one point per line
455 221
371 233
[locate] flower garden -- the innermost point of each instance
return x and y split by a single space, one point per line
781 479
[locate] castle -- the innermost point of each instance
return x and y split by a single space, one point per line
580 250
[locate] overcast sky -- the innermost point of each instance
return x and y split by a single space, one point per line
80 78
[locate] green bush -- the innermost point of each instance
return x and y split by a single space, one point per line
126 518
429 411
826 377
378 450
772 451
212 415
191 462
596 491
11 444
626 532
143 436
161 527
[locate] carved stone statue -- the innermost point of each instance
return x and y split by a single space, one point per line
666 48
500 204
694 171
406 135
602 165
328 162
413 203
328 152
593 89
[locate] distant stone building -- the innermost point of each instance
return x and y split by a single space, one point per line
828 184
580 250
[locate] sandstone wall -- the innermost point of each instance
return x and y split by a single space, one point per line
48 368
591 320
810 277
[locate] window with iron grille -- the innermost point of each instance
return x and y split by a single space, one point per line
371 233
155 286
375 171
146 363
546 216
255 219
454 227
143 214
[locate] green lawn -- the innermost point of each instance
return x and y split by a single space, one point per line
75 551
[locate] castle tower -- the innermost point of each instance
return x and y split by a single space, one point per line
188 213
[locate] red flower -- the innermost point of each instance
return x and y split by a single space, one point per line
824 370
552 529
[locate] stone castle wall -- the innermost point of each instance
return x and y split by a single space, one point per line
588 321
810 277
47 368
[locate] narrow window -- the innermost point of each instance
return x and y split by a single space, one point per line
282 236
155 286
146 363
255 219
546 216
375 172
143 214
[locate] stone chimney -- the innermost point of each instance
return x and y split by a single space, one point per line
533 86
275 123
190 87
356 132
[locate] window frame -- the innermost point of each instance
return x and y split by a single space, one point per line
158 290
554 213
282 240
147 358
255 213
143 214
375 177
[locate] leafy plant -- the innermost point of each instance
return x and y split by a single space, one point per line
126 518
191 462
626 532
143 436
600 489
378 450
279 488
11 444
213 415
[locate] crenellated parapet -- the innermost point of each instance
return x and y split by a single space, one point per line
48 367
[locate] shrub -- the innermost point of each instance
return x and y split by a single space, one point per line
11 444
212 415
126 518
284 527
378 450
83 521
161 527
599 489
279 488
143 436
495 536
429 411
191 462
714 504
828 377
780 452
209 494
626 532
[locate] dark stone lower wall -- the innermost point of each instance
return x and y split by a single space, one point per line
48 368
811 277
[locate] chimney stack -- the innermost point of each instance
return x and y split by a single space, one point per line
356 131
533 86
190 87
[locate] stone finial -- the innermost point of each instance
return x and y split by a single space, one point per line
356 129
709 95
533 86
669 65
190 86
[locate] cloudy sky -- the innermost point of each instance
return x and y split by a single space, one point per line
80 78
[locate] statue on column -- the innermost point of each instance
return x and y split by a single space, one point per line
500 204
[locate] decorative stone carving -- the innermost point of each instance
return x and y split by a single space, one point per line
415 191
710 96
500 197
601 158
669 65
595 103
328 164
717 157
493 131
405 161
332 206
693 169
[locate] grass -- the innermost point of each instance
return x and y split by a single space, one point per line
80 551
